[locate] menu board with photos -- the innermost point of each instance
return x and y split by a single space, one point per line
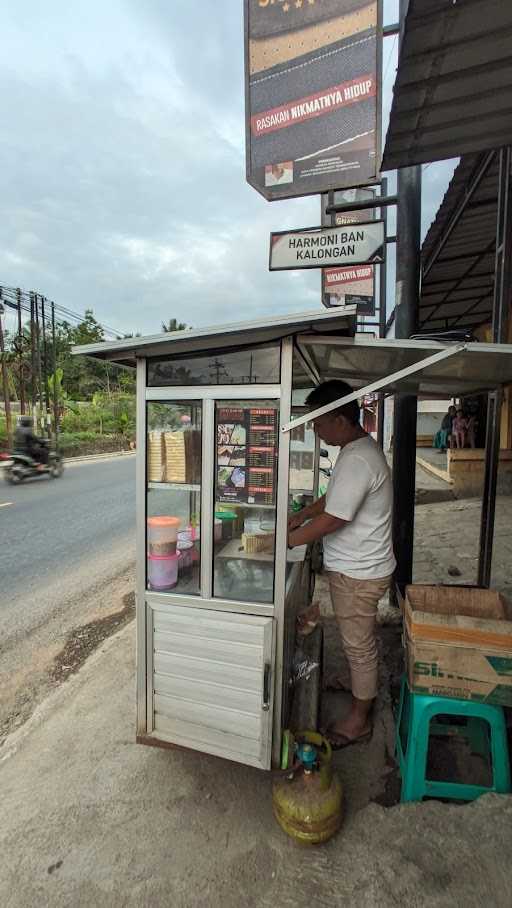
247 455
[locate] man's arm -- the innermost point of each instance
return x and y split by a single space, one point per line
320 526
312 510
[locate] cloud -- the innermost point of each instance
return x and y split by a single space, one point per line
122 166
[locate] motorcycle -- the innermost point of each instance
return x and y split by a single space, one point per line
20 466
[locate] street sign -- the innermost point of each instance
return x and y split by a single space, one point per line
328 247
350 285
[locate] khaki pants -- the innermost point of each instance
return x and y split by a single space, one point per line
355 606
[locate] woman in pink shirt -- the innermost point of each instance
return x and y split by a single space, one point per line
459 429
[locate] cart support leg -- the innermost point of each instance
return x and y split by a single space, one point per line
404 483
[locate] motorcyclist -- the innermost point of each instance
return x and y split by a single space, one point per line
26 442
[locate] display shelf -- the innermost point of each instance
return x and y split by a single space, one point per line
244 504
175 486
233 549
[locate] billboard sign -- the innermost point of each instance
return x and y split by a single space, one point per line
355 244
312 94
353 286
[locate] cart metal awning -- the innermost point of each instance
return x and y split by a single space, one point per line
453 90
125 352
406 366
458 253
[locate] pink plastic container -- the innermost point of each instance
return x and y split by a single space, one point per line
163 571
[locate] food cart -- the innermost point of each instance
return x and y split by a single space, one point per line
218 590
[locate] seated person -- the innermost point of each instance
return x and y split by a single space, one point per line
443 436
26 442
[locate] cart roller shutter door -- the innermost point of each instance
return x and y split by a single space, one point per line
211 684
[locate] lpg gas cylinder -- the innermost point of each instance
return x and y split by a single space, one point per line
307 795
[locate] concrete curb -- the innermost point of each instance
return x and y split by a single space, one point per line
85 458
63 692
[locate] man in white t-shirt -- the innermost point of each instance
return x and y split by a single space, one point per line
354 520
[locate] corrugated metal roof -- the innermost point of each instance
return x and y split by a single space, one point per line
126 351
459 249
453 90
408 366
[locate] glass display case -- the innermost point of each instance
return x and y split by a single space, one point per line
241 467
246 452
173 510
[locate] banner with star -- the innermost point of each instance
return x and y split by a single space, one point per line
312 95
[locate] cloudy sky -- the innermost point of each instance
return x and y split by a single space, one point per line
122 164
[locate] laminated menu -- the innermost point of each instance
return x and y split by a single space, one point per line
247 454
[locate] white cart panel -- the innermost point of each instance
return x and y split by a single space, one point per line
211 684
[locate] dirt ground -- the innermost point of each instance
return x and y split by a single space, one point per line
91 818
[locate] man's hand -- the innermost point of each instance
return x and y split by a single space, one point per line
295 521
315 529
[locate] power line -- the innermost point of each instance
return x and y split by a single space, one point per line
13 297
389 58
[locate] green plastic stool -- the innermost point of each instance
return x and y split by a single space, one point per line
414 727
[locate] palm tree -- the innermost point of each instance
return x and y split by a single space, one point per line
173 325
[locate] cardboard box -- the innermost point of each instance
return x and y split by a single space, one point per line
458 643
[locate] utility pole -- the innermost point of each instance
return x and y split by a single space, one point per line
33 360
20 354
45 374
55 388
38 364
5 380
406 323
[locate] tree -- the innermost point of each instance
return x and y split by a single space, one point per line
173 325
80 377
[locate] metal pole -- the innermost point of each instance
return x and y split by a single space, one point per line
408 231
55 388
20 354
38 362
48 420
492 454
501 310
382 319
5 381
33 360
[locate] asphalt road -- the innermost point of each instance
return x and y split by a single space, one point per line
52 530
67 556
